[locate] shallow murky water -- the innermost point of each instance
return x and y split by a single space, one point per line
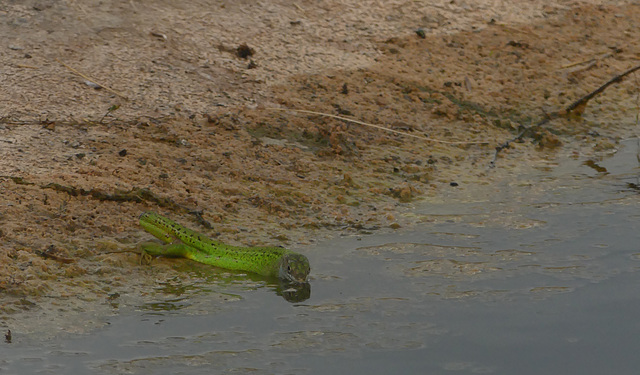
533 276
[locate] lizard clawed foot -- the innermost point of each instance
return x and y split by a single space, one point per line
145 258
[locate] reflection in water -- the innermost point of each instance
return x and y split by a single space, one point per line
593 165
176 293
294 292
169 305
633 186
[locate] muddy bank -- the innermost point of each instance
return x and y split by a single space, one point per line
194 129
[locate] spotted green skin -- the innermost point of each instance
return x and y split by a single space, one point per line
183 242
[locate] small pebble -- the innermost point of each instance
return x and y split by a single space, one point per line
93 85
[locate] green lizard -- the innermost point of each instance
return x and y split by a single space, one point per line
183 242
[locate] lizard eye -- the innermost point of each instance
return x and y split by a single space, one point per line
289 268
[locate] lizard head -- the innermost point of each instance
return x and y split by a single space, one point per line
294 267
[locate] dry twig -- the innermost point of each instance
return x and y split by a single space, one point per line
576 107
588 61
380 127
26 66
93 80
580 104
